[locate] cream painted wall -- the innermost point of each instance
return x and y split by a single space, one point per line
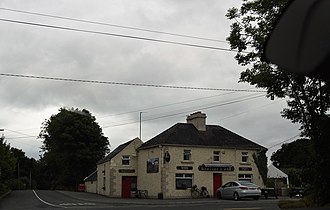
91 187
112 178
102 180
149 181
165 180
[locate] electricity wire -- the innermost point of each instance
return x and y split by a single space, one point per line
165 105
293 137
130 84
20 137
27 135
112 25
117 35
250 110
187 111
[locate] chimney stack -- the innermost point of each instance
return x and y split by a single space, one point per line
198 119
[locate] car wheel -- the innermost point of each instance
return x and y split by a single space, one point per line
236 196
219 195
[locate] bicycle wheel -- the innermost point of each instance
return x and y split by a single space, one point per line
205 194
194 194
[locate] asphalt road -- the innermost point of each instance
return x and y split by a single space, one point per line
31 200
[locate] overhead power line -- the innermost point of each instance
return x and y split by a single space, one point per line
191 108
293 137
165 105
249 110
112 25
117 35
18 132
188 111
130 84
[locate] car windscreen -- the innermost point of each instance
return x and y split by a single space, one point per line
248 184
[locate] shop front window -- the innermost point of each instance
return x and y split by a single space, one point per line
245 177
183 181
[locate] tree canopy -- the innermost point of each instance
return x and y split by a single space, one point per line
7 165
295 159
72 143
308 99
25 171
293 155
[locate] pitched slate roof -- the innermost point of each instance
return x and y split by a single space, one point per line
92 177
184 134
115 152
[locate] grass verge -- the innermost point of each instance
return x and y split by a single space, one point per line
290 204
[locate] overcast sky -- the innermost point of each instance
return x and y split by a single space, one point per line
49 52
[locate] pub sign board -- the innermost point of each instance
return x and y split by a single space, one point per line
216 168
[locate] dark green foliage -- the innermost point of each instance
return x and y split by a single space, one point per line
321 159
296 160
293 155
7 166
25 171
308 99
260 160
73 143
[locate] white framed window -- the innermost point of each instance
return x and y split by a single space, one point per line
183 181
245 177
125 160
245 157
187 154
216 156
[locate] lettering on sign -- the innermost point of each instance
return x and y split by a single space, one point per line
245 168
216 168
126 170
184 168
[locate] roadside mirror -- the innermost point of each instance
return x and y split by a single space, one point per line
300 40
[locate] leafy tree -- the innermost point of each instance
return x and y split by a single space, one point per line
308 99
295 159
293 155
260 159
7 165
73 143
26 169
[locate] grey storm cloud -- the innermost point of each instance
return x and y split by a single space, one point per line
40 51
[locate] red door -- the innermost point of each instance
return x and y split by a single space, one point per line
128 184
126 187
217 182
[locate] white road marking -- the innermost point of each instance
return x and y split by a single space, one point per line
253 208
45 202
77 204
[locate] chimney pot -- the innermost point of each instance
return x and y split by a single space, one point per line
198 119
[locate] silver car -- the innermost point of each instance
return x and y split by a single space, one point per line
239 189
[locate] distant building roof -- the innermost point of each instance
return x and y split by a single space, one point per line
115 152
186 134
92 177
274 172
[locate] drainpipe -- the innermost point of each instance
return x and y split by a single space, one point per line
236 164
161 160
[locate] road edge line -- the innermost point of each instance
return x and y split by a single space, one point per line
45 202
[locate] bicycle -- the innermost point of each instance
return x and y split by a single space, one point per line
199 193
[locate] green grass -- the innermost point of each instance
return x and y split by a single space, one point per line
288 204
